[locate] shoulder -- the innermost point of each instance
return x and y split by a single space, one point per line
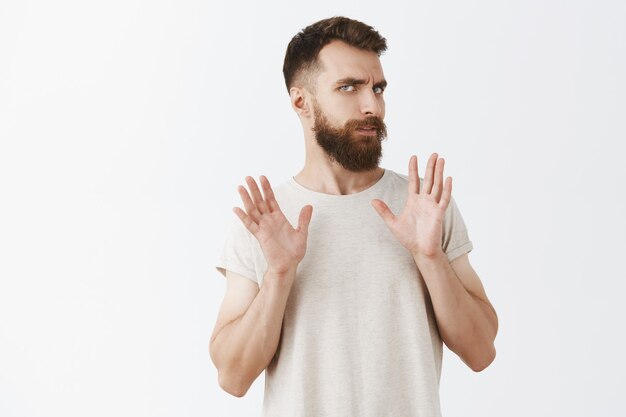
397 176
398 179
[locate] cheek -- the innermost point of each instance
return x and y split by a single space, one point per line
342 109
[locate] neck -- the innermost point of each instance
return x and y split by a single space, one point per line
322 175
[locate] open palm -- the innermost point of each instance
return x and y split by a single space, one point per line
420 225
283 246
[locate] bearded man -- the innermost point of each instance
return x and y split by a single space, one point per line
348 311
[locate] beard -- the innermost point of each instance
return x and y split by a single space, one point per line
346 146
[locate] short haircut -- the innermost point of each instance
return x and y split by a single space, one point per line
301 62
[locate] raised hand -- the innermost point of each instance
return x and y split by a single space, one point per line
283 246
420 225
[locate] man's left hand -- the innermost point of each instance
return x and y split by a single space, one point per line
420 225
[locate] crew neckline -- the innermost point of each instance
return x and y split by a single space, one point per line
366 191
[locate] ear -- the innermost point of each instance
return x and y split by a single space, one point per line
300 101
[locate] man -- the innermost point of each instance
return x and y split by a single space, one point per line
347 311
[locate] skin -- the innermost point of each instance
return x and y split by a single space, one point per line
247 331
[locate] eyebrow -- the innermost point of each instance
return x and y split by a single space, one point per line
358 81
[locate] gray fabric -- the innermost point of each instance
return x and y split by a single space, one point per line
359 335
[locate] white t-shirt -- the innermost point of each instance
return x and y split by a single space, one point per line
359 335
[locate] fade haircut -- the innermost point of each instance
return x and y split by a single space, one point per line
301 64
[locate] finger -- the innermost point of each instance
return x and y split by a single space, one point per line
428 175
256 195
384 211
246 220
438 184
414 180
447 194
305 219
269 194
251 209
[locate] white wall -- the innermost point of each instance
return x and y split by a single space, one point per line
125 127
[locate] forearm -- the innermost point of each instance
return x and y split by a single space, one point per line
467 324
243 348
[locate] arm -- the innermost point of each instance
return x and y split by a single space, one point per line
248 328
467 322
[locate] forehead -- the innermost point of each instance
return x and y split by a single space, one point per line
340 60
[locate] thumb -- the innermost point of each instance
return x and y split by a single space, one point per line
383 211
305 219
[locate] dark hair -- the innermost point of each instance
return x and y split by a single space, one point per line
302 51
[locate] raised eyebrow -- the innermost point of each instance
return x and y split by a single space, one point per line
358 81
350 81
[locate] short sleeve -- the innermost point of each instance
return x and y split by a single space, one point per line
455 240
237 254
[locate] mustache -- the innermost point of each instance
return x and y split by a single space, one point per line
370 121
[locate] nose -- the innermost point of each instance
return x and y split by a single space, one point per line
371 104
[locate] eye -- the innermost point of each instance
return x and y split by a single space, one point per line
379 90
346 88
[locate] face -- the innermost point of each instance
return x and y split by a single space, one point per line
349 107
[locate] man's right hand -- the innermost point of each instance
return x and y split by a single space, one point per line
283 246
248 327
